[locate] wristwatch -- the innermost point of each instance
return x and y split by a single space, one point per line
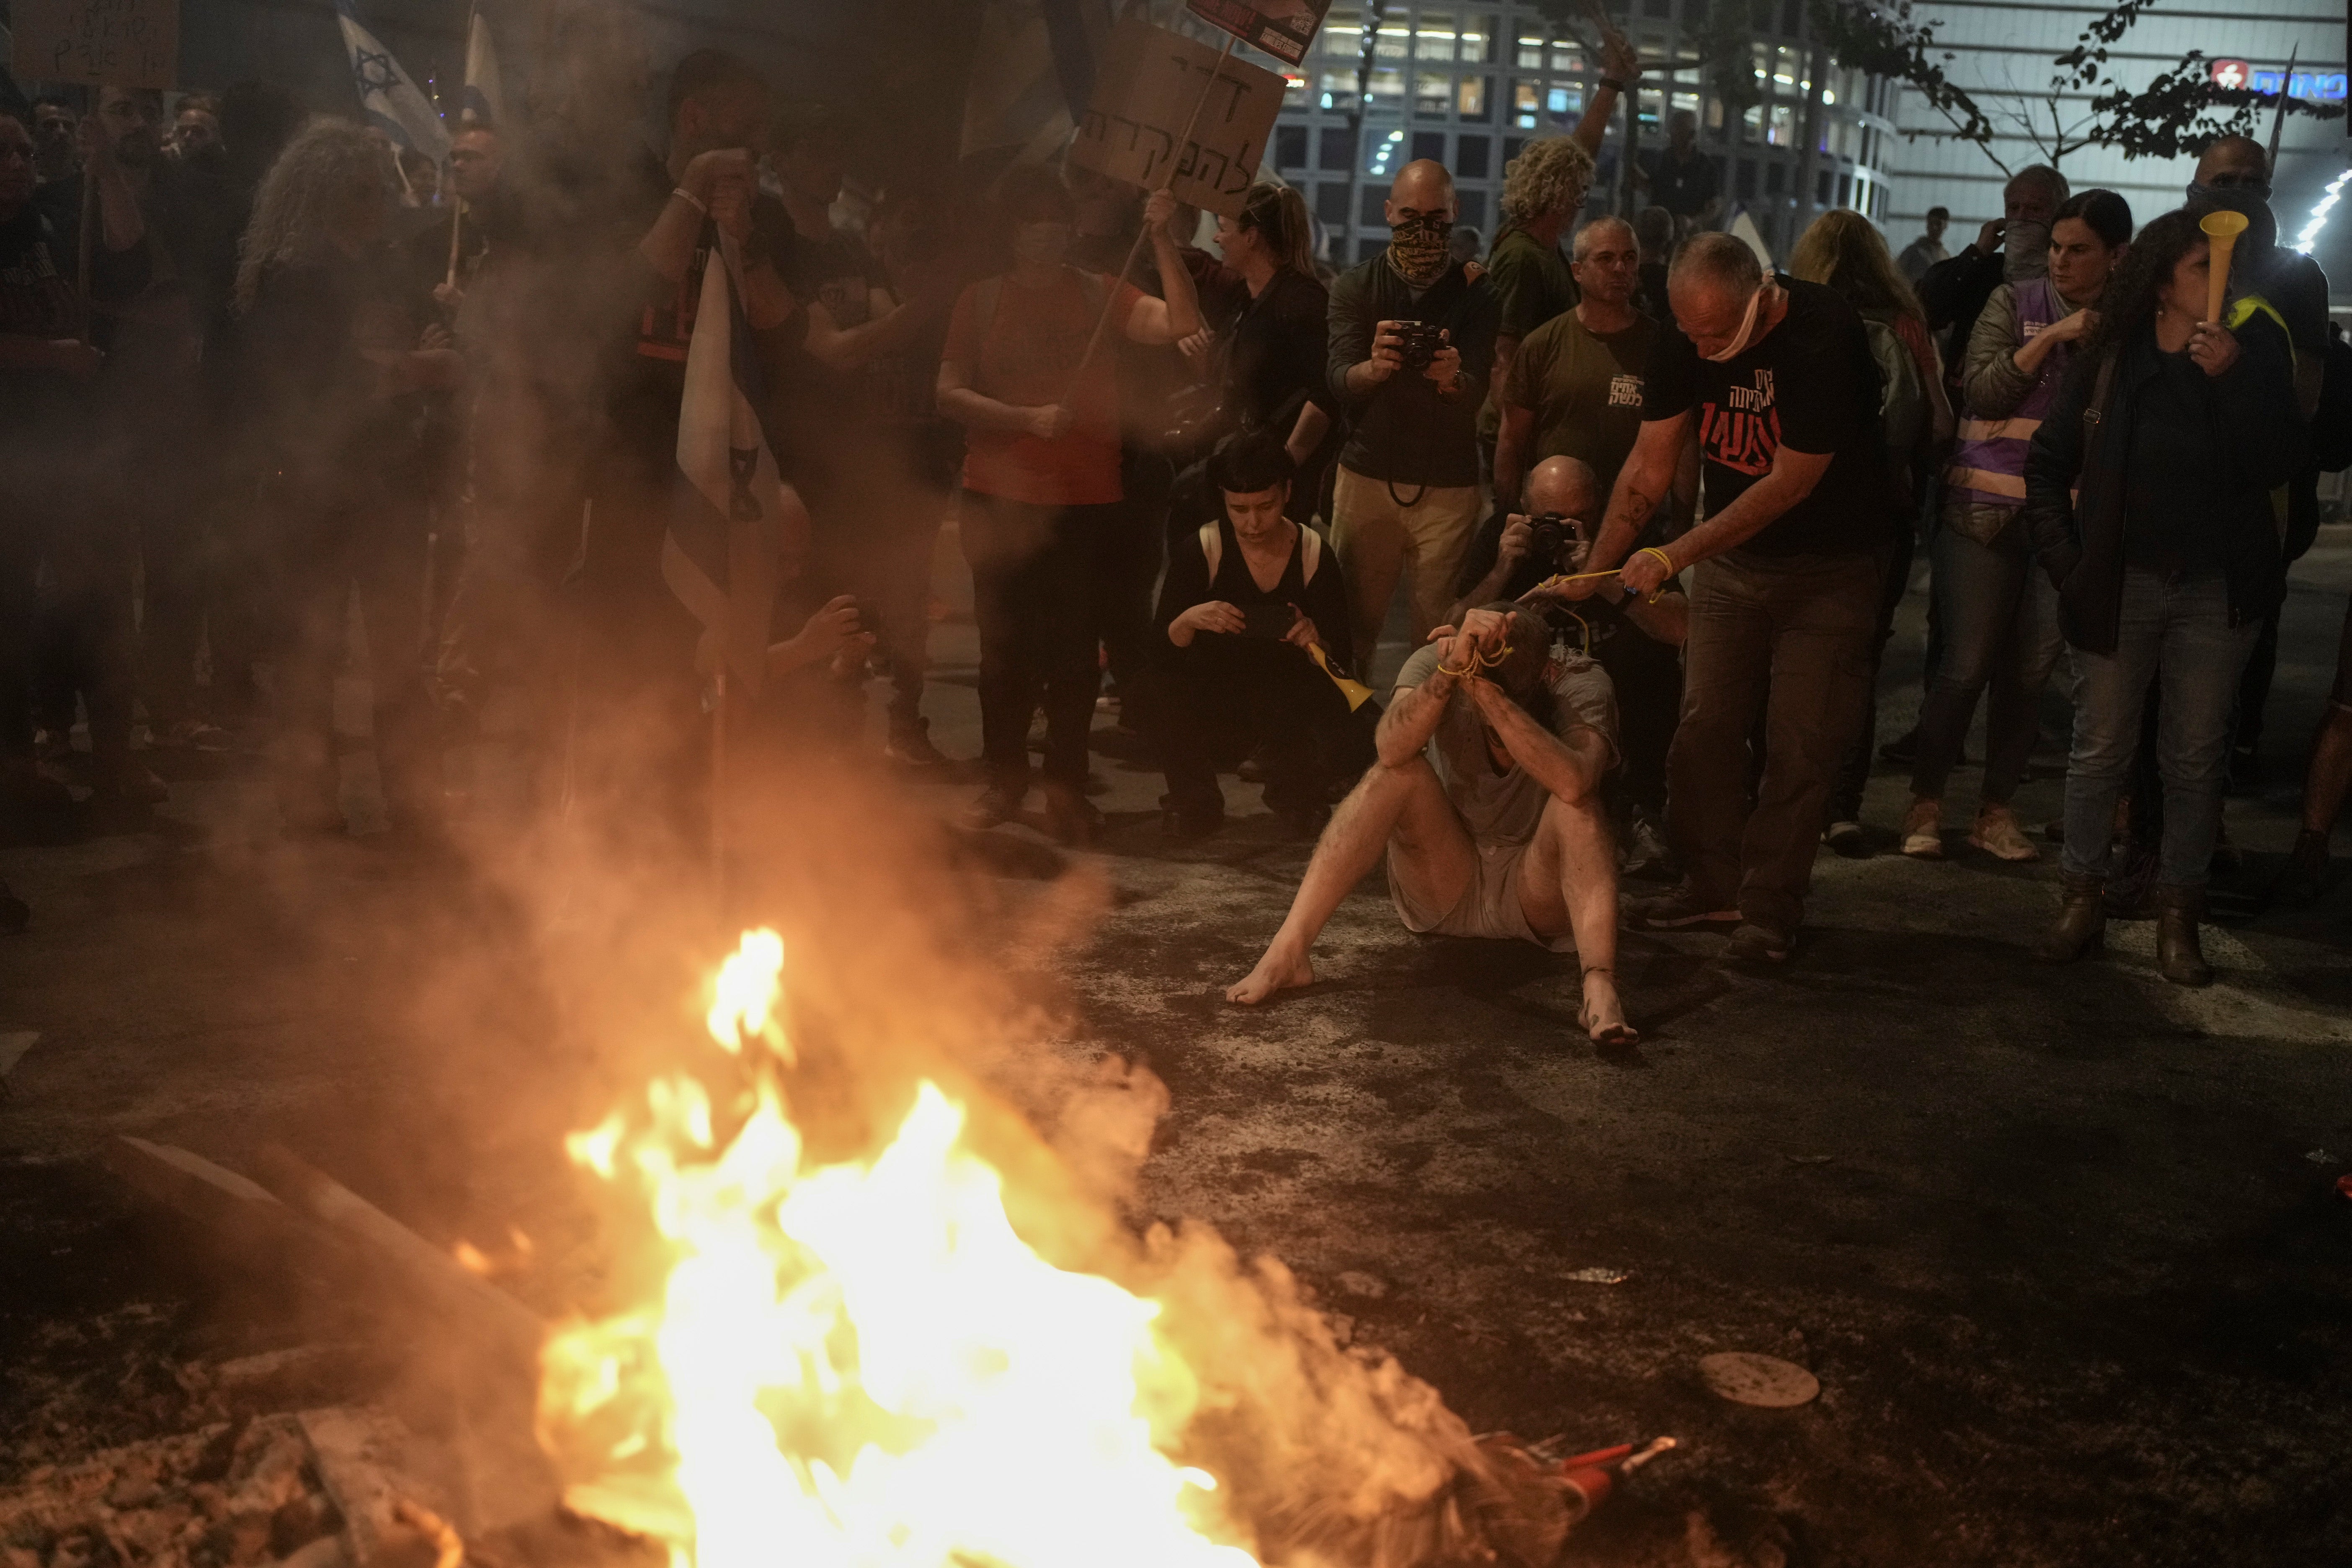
1612 84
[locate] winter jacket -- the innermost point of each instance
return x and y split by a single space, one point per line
2074 517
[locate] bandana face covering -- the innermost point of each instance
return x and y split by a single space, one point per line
1418 248
2024 251
1738 344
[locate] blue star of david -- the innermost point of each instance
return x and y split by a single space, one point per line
377 72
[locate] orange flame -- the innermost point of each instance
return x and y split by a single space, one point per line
861 1365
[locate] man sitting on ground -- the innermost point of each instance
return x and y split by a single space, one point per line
1637 639
1247 601
1487 803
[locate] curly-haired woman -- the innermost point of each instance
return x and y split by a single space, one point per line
326 359
2148 500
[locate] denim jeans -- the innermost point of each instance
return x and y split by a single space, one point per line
2000 616
1788 643
2174 634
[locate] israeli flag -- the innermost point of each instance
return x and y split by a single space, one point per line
389 98
720 555
484 103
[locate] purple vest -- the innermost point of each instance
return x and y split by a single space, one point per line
1988 467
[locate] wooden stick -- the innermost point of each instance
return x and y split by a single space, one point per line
1110 302
718 786
457 224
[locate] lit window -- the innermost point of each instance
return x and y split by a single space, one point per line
1531 54
1386 81
1470 97
1391 43
1783 132
1429 44
1431 92
1527 103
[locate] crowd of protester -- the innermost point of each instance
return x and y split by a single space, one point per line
1650 505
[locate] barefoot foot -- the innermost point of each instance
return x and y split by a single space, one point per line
1603 1015
1274 971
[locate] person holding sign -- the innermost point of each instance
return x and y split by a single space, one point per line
1038 399
2147 502
1412 343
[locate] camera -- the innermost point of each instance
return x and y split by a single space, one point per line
1553 533
1418 342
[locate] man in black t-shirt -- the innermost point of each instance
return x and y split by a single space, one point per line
1778 378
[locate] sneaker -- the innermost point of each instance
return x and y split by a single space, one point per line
994 806
1677 911
1923 830
1997 833
911 747
1847 838
1903 749
1753 943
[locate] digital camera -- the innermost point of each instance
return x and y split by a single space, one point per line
1553 533
1418 342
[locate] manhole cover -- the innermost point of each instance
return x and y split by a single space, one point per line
1747 1378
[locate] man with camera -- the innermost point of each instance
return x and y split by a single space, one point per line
1254 615
1485 803
1636 640
1412 343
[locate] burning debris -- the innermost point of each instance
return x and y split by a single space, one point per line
865 1361
951 1349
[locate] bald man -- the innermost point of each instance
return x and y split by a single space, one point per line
1406 495
1776 376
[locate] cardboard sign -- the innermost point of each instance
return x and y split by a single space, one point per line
1154 84
101 43
1283 28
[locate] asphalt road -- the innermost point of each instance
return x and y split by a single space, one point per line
2063 1248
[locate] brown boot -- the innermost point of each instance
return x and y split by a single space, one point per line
2082 924
2177 953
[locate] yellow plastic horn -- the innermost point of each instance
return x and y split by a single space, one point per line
2222 228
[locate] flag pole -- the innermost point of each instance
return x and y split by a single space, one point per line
2278 120
1110 301
718 787
457 223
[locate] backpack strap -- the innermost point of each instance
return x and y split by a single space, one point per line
1212 548
2244 309
1311 553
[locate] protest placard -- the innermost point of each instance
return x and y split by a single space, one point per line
99 43
1283 28
1154 86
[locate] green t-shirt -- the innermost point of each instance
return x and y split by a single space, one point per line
1532 284
1585 389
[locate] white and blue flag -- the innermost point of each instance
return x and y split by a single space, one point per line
722 553
389 97
484 103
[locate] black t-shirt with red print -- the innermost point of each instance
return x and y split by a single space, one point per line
1810 385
